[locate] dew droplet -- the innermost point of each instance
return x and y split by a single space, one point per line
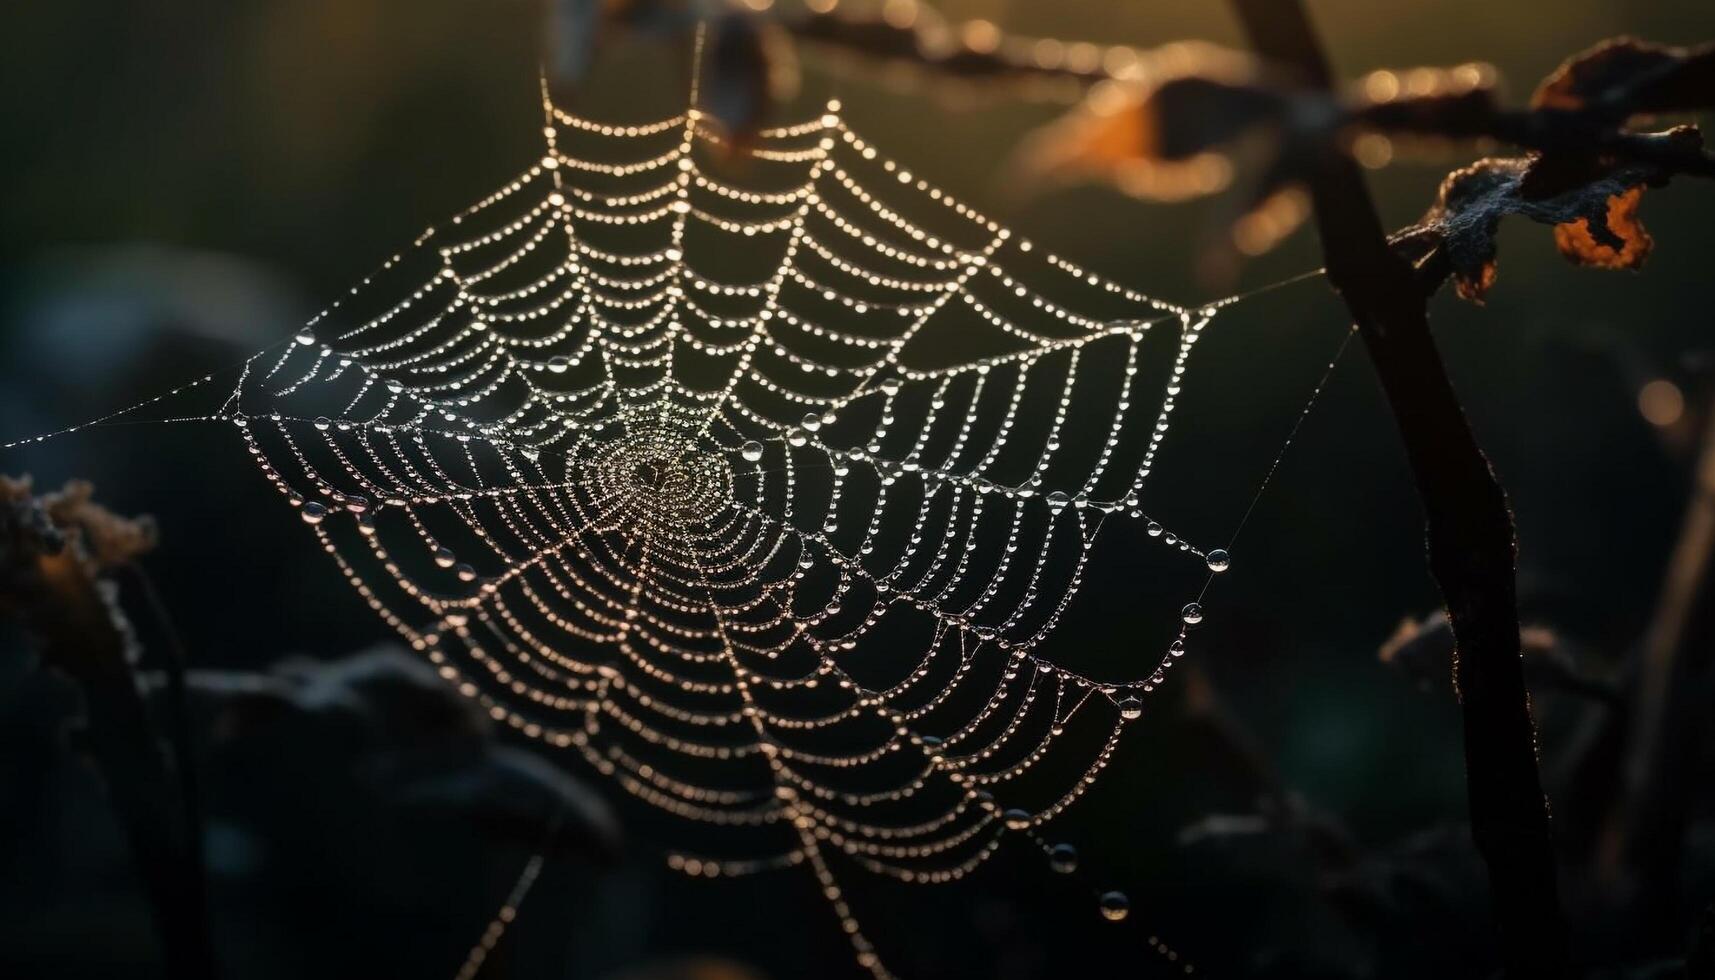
306 338
1131 709
559 363
796 439
1063 858
1016 819
313 513
1218 560
811 422
356 503
466 573
445 558
1115 906
324 423
1059 499
1154 529
751 451
1192 613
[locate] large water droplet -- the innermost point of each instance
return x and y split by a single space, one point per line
1016 819
1115 906
1131 709
1059 499
445 558
1218 560
466 573
324 423
811 422
751 451
313 513
1063 858
559 363
796 439
1192 613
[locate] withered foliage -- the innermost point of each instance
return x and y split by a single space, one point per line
1595 219
1588 180
1624 77
63 532
1192 119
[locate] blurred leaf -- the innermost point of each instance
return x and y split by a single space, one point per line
1161 138
1623 77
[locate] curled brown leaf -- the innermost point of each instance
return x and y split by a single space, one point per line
1624 76
1595 218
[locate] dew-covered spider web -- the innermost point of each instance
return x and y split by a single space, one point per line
756 487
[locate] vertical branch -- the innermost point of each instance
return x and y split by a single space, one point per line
1471 546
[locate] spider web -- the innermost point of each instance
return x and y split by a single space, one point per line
771 550
756 485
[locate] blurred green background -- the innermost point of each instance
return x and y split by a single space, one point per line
185 182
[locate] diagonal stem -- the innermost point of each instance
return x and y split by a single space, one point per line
1471 544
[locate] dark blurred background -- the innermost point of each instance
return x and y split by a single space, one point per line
186 182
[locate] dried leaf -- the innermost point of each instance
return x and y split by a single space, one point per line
108 539
1623 77
102 540
1472 201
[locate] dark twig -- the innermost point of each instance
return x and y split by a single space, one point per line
1471 541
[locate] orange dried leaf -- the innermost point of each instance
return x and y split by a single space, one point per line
1593 212
1623 243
